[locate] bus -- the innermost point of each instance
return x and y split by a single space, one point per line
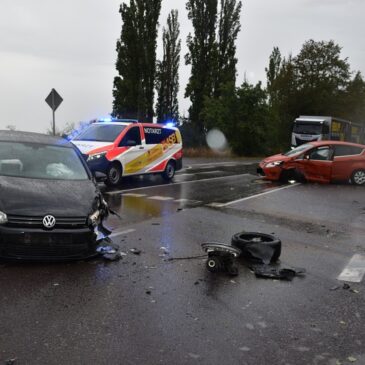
318 128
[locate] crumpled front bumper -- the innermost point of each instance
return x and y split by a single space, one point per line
42 245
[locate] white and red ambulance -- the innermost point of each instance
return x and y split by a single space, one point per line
123 148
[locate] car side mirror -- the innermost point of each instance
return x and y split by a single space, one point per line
99 176
306 157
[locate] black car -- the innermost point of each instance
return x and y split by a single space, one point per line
50 206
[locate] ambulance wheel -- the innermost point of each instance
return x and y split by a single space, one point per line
214 264
169 172
114 174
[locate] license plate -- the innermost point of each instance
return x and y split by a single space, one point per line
47 239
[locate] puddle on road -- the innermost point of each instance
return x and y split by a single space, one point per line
135 209
136 206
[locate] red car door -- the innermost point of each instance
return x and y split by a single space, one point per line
317 164
347 159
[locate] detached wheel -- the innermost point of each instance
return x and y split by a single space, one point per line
358 177
114 175
214 264
169 172
258 246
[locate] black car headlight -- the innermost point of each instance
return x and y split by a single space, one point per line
96 156
3 218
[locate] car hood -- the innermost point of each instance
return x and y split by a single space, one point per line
274 158
36 197
87 147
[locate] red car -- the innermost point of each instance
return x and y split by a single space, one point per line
323 162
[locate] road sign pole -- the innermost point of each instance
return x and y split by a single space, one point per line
54 122
53 115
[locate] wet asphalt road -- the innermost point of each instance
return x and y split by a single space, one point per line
146 309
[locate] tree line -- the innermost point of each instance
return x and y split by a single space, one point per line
255 118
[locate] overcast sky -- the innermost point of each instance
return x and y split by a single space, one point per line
69 45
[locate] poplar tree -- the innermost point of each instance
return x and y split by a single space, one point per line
168 71
202 57
136 60
229 27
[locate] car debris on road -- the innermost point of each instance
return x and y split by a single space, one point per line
259 248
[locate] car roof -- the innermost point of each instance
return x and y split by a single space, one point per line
156 125
112 123
335 143
30 137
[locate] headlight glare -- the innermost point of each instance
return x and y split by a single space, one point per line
3 218
96 156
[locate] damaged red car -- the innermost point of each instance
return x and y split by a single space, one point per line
50 206
323 162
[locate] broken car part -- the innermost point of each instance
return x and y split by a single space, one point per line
266 271
221 257
109 250
261 247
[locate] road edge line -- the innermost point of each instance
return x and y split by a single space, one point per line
258 195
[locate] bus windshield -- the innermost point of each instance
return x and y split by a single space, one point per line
308 128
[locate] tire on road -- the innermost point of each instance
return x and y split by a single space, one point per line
114 174
358 177
257 246
169 172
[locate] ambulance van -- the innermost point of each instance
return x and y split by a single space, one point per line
120 148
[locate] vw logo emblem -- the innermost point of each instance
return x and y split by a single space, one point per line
49 221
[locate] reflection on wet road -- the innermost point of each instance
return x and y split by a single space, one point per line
149 197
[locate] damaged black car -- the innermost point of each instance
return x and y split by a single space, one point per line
50 206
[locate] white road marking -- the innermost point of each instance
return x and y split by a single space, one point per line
135 195
162 198
184 175
177 183
223 163
209 172
121 233
187 201
215 205
354 271
258 195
